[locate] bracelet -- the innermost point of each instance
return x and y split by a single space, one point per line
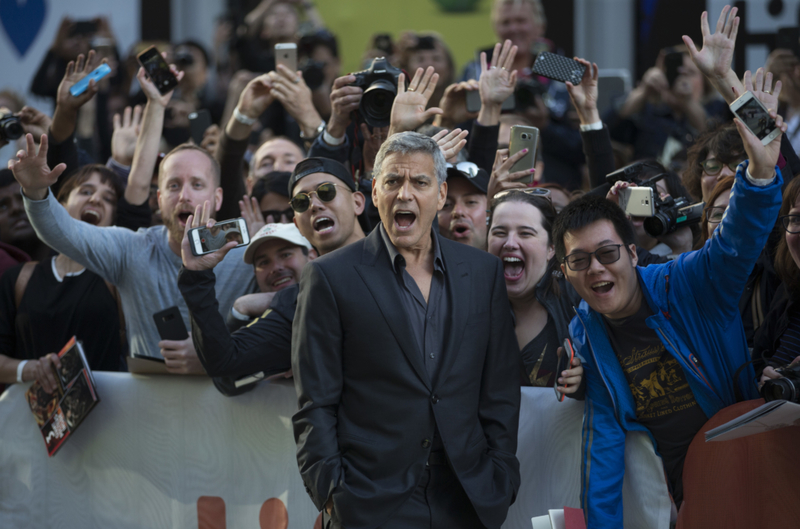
20 367
241 118
320 128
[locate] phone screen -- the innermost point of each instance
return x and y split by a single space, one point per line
158 70
212 239
756 118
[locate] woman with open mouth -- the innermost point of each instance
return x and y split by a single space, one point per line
541 299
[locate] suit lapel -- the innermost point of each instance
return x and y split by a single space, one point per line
457 272
377 273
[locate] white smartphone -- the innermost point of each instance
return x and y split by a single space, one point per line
755 116
523 137
637 201
206 240
286 54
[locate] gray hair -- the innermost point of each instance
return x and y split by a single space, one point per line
411 143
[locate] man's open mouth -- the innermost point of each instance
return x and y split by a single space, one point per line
323 225
283 281
602 287
461 230
183 217
91 216
404 219
513 267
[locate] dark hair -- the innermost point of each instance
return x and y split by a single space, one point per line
199 47
107 176
322 37
723 185
726 144
587 210
787 269
274 182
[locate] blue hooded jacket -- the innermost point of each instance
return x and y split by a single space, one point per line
696 315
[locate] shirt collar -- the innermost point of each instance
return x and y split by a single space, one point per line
399 262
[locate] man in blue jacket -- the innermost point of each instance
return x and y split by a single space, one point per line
661 344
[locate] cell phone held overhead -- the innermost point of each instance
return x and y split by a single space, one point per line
755 117
157 70
205 240
95 75
523 137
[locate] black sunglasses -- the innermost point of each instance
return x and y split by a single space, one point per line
326 192
578 261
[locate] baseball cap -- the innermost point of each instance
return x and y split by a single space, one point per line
475 175
286 232
321 165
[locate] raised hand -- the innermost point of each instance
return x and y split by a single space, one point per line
408 110
451 143
251 213
34 121
76 70
763 88
762 157
126 133
211 138
31 170
497 82
150 90
256 97
584 95
714 59
454 104
344 100
209 260
291 90
501 179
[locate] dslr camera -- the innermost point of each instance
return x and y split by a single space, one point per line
10 127
786 388
379 83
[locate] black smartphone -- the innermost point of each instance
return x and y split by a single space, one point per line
170 324
672 62
564 362
558 68
788 39
157 70
83 27
198 123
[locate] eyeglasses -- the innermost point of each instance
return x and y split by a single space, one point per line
578 261
276 215
469 169
791 223
535 191
713 166
326 192
714 214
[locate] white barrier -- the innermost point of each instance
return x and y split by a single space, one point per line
158 450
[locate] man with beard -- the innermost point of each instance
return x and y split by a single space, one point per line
144 264
463 217
16 233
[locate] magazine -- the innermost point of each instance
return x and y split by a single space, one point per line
770 416
59 414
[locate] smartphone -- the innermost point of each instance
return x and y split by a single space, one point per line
83 27
474 102
157 70
523 137
206 240
637 201
169 323
96 74
755 116
559 68
564 362
198 123
286 54
788 39
672 62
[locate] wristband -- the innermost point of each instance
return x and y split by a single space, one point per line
20 367
241 118
239 316
597 125
330 140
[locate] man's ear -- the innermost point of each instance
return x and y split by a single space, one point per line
359 201
217 199
564 271
442 196
632 252
158 198
312 254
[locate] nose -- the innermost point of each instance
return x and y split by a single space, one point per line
595 266
511 242
726 171
405 191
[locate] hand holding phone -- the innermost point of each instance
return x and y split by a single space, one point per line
559 68
198 123
96 74
565 357
207 240
158 70
755 116
524 137
637 201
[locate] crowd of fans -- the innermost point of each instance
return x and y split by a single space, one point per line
96 207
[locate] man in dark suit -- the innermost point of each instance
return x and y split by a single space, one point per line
405 364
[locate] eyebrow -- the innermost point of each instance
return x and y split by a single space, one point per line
599 245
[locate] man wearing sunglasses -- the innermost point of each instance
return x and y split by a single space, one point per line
463 217
406 365
325 207
661 343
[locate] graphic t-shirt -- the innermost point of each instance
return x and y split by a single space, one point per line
538 358
664 402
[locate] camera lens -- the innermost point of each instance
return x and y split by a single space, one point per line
657 225
376 104
779 389
10 128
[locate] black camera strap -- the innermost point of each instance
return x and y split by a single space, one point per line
736 390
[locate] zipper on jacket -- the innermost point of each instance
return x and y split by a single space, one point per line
695 363
589 343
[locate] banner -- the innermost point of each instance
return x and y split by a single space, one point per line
170 451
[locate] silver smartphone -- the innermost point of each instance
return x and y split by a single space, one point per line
637 201
286 54
206 240
755 116
524 137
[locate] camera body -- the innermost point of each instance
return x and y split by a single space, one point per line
313 73
786 388
379 83
10 128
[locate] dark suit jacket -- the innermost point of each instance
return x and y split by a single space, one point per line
367 406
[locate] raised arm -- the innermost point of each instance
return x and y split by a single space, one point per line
408 109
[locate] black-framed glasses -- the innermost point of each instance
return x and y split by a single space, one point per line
276 215
578 261
714 214
713 166
791 223
535 191
326 192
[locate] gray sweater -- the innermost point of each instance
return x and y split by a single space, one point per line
141 265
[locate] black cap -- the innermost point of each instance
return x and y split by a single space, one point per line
472 173
321 165
272 182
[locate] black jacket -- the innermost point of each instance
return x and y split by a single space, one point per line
768 337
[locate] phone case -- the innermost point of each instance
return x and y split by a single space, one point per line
523 137
558 68
755 117
286 56
198 123
157 70
97 74
170 324
637 201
